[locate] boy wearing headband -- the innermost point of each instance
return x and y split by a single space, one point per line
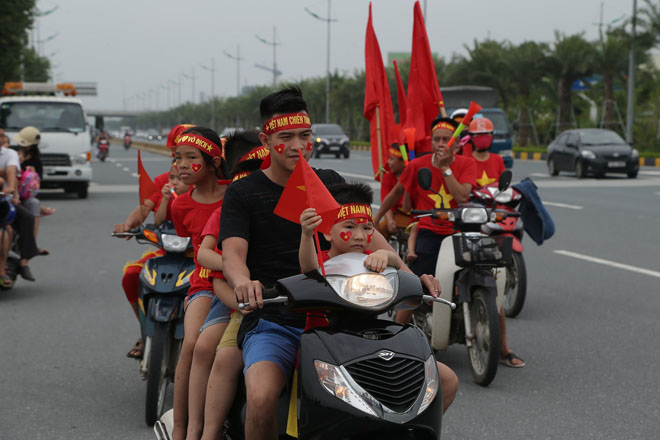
352 232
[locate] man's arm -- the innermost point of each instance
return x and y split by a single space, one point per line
11 180
459 191
390 201
234 257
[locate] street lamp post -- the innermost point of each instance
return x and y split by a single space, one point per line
631 80
273 43
212 70
192 79
238 60
328 20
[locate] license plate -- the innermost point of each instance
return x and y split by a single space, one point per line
49 170
616 164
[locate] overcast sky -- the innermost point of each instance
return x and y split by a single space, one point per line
132 46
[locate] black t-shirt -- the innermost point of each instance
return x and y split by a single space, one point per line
273 242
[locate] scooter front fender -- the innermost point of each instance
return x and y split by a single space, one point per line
445 269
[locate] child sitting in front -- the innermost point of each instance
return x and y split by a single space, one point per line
352 231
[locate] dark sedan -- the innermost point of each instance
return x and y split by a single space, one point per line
330 139
592 151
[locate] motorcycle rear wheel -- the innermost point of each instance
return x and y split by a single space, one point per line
516 286
484 354
157 380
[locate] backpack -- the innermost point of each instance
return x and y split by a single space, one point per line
29 184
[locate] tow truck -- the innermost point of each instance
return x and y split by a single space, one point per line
57 113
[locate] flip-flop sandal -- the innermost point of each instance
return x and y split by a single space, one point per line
44 252
508 361
48 211
6 281
136 351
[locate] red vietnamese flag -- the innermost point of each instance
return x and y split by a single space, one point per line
400 95
377 101
147 186
424 96
305 190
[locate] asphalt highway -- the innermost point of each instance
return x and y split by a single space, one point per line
588 331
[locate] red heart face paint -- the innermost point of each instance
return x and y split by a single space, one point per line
279 148
309 146
196 167
370 237
346 235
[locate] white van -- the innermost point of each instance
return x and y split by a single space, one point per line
65 148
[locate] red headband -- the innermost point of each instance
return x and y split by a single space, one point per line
257 153
443 124
358 211
240 175
289 121
395 152
175 134
201 143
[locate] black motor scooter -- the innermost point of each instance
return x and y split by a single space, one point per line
164 284
359 377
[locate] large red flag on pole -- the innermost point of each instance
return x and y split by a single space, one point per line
147 186
377 101
424 96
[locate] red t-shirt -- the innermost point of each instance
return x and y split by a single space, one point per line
157 201
463 169
160 182
189 219
488 171
212 228
386 184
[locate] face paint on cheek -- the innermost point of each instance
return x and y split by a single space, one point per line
196 167
309 146
279 148
370 237
346 235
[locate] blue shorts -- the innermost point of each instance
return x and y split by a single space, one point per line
217 314
272 342
199 294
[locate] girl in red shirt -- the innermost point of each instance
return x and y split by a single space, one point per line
198 155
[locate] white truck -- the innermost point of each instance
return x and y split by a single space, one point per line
65 138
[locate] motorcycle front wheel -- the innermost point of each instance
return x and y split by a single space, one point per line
157 380
516 286
484 354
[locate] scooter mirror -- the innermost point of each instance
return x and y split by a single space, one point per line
505 180
424 178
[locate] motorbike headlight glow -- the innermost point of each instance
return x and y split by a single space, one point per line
332 378
431 380
474 215
504 196
318 140
369 290
174 243
588 154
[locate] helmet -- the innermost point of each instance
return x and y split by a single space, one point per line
7 211
458 114
481 126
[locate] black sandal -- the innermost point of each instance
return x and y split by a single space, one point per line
508 360
137 351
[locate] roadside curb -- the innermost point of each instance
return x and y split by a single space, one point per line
153 148
643 161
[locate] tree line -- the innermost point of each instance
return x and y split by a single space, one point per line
545 88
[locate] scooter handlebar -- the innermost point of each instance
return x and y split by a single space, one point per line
270 296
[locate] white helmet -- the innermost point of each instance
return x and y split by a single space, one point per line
458 113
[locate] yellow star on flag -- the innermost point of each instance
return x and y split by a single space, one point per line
485 180
301 188
443 196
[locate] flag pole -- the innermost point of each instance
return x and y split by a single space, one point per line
380 143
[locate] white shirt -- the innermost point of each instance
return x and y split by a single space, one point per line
8 157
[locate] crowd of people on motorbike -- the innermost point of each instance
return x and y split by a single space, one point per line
222 194
21 171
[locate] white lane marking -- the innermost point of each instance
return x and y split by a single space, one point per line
598 183
640 270
118 164
650 173
539 175
563 205
357 176
657 193
126 169
135 175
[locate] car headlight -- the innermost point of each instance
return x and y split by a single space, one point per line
588 154
369 290
79 159
635 153
319 140
336 383
506 153
174 243
504 196
431 380
474 215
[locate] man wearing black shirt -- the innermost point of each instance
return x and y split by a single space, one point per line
260 247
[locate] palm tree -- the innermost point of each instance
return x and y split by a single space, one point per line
526 63
572 59
611 60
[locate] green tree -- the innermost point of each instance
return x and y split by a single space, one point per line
16 18
35 68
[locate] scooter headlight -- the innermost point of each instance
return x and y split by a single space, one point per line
431 380
174 243
369 290
335 382
474 215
